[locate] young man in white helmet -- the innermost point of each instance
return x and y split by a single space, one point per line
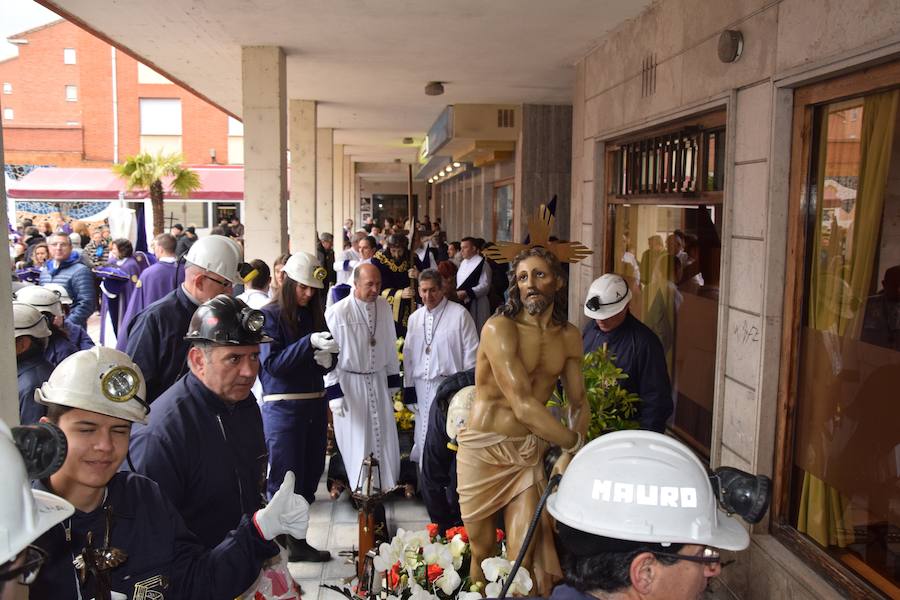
95 396
25 515
639 519
294 409
155 338
637 350
33 368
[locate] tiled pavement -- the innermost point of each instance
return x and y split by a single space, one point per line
333 526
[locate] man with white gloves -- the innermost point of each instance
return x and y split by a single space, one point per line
367 373
203 442
95 396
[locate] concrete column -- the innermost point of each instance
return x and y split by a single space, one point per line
325 184
302 132
265 152
354 191
337 191
9 406
347 189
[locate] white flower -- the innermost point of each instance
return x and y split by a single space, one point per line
494 568
497 569
438 554
457 550
414 540
418 593
468 596
448 581
388 555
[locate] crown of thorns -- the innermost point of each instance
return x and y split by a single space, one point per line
539 226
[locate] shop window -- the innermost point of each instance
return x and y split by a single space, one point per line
72 93
69 56
503 213
664 202
187 213
839 478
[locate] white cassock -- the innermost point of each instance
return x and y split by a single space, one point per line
474 277
439 343
344 264
363 375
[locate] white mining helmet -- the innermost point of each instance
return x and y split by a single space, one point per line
101 380
29 321
43 299
607 297
25 514
645 487
304 268
64 298
217 254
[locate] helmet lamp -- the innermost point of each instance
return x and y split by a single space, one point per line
120 384
252 320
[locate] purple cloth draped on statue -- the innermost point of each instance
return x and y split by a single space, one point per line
115 308
154 283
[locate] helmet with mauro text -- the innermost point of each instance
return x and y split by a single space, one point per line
101 380
643 486
304 268
608 296
227 321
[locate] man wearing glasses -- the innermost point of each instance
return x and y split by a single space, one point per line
156 336
67 269
639 518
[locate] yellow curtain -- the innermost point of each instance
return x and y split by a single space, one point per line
839 284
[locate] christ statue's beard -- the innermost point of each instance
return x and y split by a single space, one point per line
536 302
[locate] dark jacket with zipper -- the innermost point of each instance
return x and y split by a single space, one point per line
208 456
164 559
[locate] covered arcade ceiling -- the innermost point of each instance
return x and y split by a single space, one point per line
366 61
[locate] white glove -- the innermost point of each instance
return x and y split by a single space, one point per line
413 408
286 512
322 340
323 357
338 407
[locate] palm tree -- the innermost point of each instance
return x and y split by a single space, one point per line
146 172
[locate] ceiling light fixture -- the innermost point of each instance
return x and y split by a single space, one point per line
456 164
434 88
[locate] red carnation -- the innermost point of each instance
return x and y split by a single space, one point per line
461 531
433 572
394 575
432 530
500 535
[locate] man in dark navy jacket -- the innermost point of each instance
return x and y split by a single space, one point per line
95 396
156 336
204 443
637 350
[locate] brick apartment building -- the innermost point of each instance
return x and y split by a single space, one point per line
62 106
70 100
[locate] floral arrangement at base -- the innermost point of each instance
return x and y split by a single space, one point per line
425 565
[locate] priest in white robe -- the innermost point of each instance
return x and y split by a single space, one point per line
473 282
360 388
440 341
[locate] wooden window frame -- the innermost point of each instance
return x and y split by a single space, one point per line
806 99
